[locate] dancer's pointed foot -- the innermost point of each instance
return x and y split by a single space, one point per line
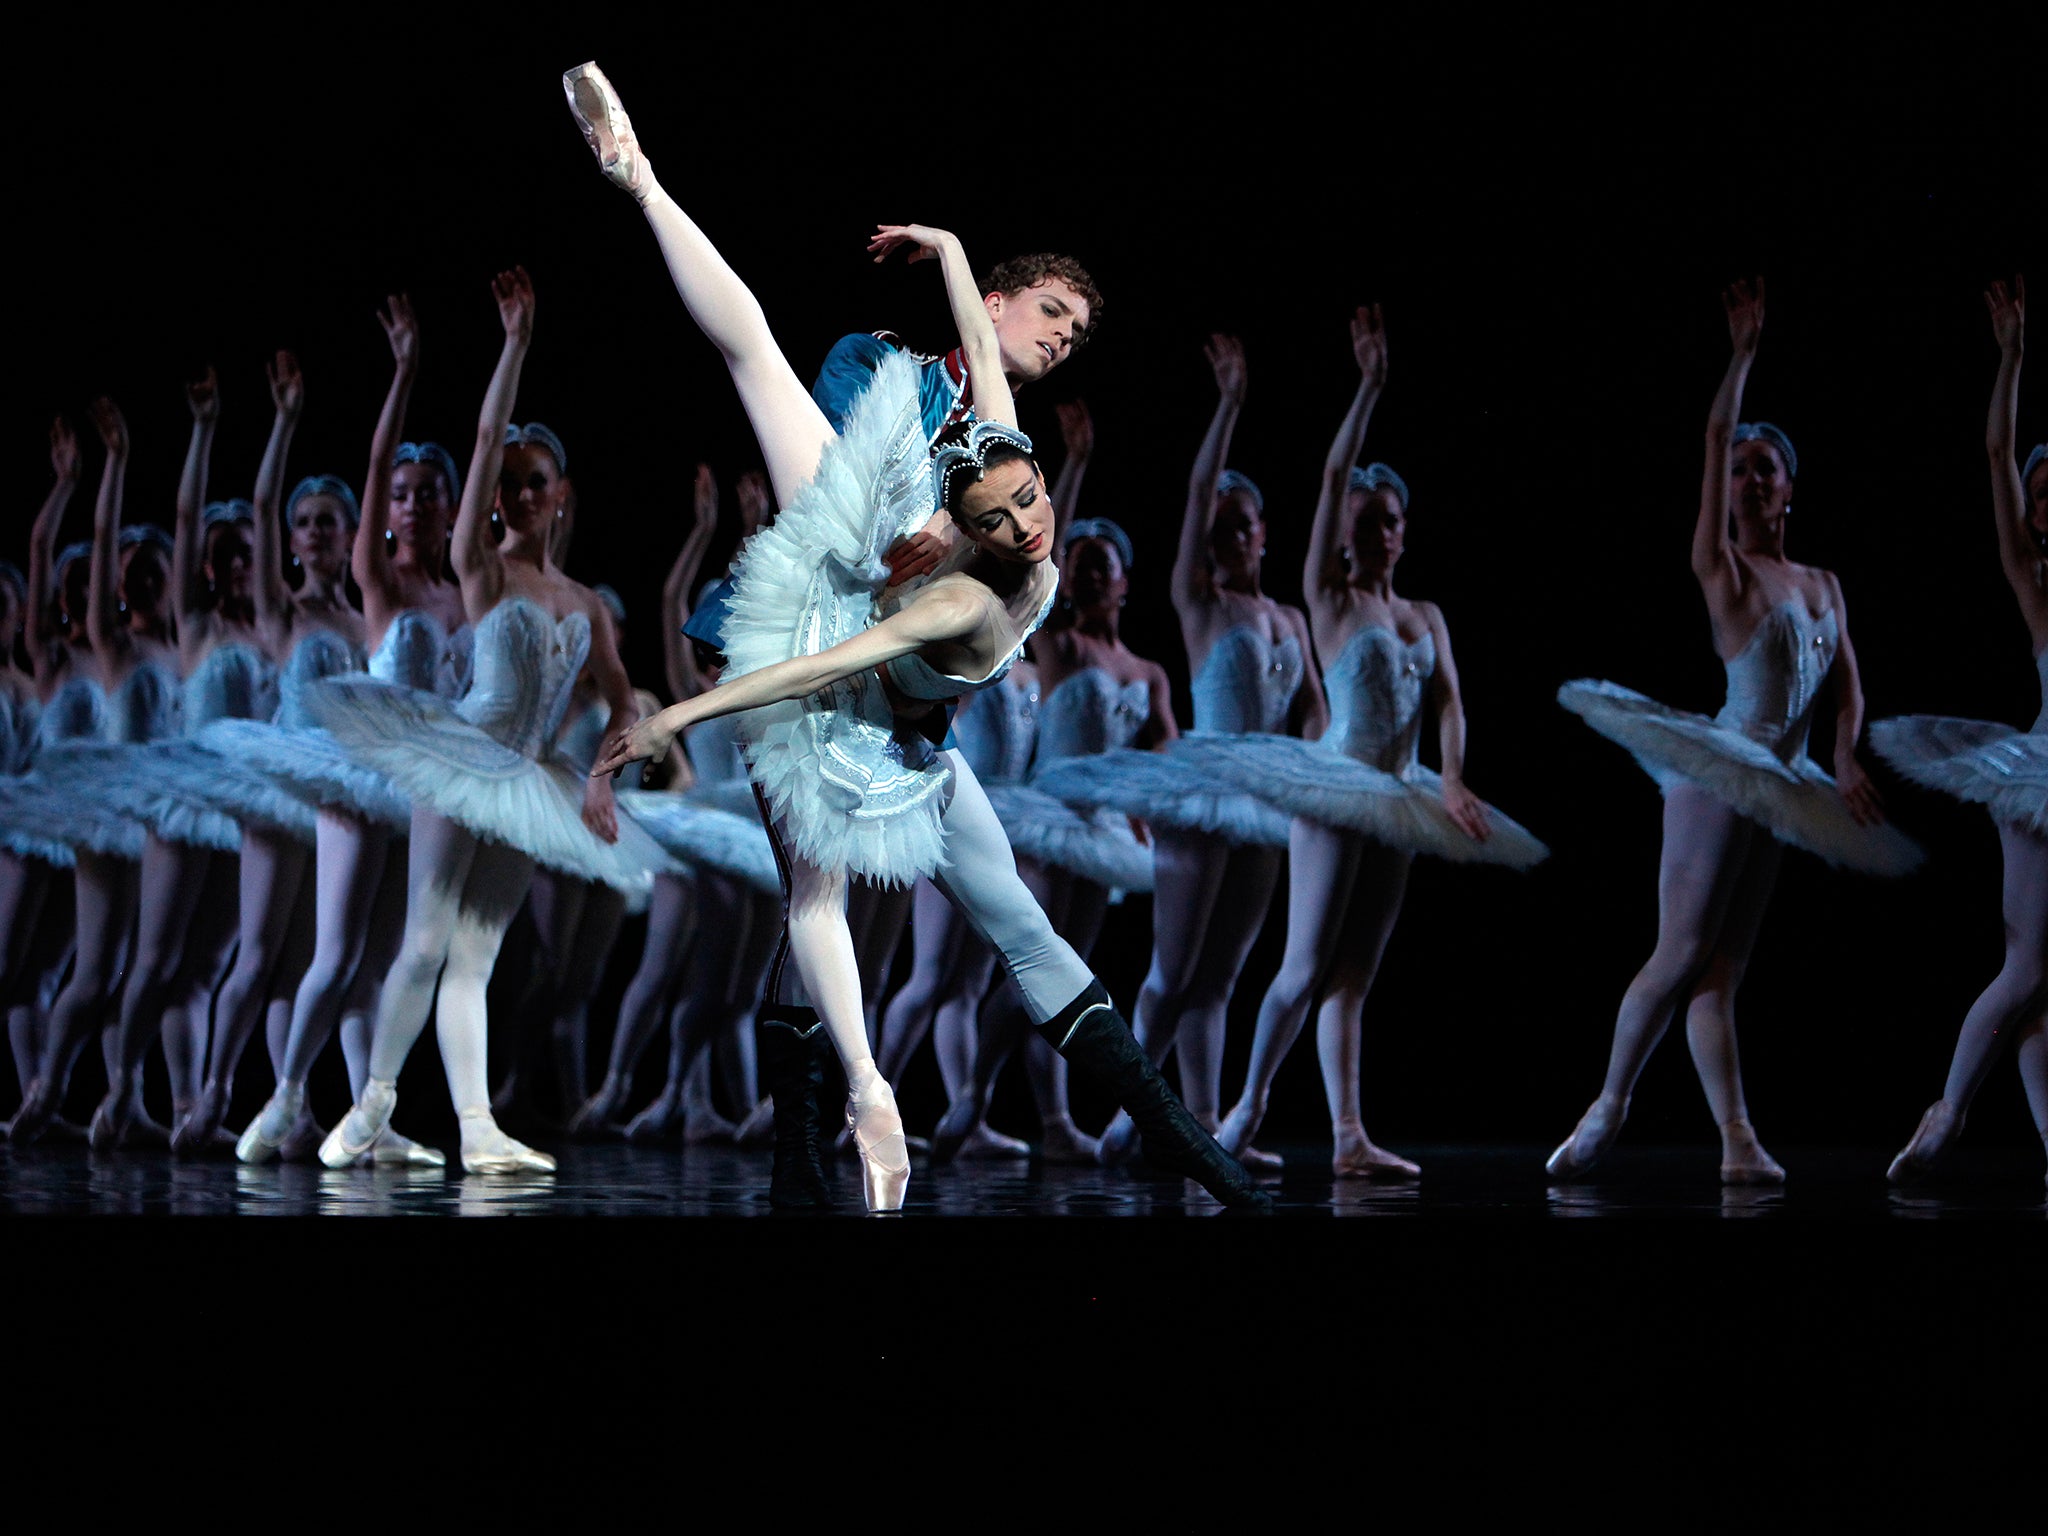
878 1137
1743 1158
263 1138
1235 1134
598 1115
302 1141
1936 1130
657 1120
1065 1144
1264 1163
1356 1157
607 130
361 1126
111 1122
486 1149
198 1129
704 1125
986 1145
758 1129
1590 1140
1119 1142
391 1150
38 1111
960 1121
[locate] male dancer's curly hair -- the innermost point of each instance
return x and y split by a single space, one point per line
1021 272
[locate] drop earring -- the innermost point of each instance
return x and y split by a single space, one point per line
295 562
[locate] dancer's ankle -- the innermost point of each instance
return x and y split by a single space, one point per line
861 1077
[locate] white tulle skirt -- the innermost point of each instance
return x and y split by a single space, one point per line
1097 844
1995 766
1796 802
1318 783
38 820
707 836
309 766
171 787
1165 789
438 759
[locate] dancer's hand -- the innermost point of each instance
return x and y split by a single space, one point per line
641 742
287 386
751 491
203 396
514 292
917 555
63 450
1369 346
1745 305
1865 804
2008 314
402 331
1467 810
113 426
1226 360
924 241
1077 429
600 809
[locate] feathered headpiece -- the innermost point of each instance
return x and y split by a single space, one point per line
1763 431
1236 480
964 461
435 457
534 435
233 511
1375 475
325 485
1101 528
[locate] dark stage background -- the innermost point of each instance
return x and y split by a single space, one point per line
1546 213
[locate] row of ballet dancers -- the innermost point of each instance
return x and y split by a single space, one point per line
296 763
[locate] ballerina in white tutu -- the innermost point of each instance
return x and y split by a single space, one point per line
814 621
418 638
1362 806
490 798
2003 770
1739 786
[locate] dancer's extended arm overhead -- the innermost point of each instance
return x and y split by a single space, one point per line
45 602
1077 434
1714 562
369 561
1193 571
685 679
1322 574
188 553
103 600
477 563
2018 554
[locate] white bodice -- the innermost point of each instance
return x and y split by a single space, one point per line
20 729
78 710
526 664
233 681
1247 682
416 652
1088 713
584 734
1376 687
145 707
1774 681
319 653
997 730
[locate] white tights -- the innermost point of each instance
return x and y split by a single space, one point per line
276 921
2014 1007
951 972
186 913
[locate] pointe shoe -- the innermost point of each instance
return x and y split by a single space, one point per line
1119 1142
486 1149
391 1150
878 1138
1358 1157
361 1126
263 1138
109 1128
607 130
1235 1134
598 1113
1930 1140
985 1144
194 1132
959 1122
1260 1161
758 1129
1590 1140
1743 1158
1064 1144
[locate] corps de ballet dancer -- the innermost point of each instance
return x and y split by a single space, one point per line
1097 696
1361 805
804 654
1252 670
1740 786
2003 770
489 799
417 637
710 933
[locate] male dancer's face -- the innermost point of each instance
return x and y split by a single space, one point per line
1037 328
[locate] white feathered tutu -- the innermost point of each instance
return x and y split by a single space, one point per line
849 791
1096 844
23 831
486 763
2002 769
706 836
1315 781
1164 789
1796 801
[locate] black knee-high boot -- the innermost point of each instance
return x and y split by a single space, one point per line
1093 1037
790 1056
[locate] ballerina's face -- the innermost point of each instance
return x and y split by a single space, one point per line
530 489
1037 328
320 533
145 577
421 505
230 560
1092 575
1759 490
1237 537
1379 532
1007 513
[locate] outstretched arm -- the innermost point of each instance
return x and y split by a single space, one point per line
288 396
684 680
1077 432
945 614
1850 779
44 600
475 557
1466 808
368 561
188 556
2016 552
600 809
1713 559
992 398
103 603
1191 562
1323 571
